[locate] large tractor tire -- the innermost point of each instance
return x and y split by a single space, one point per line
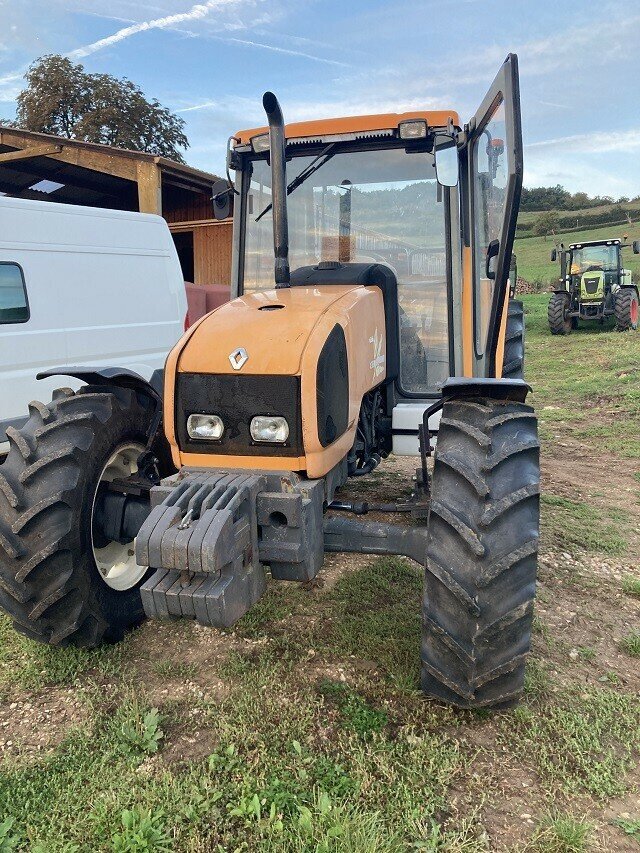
559 323
513 362
482 549
61 580
626 309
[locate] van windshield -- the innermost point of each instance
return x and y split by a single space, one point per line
374 206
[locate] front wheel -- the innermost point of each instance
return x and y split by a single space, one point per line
482 550
559 322
65 576
626 309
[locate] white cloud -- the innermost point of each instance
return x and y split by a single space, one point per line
275 49
596 142
197 12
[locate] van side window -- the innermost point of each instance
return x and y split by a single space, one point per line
14 307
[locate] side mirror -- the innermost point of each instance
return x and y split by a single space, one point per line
636 247
446 156
222 198
554 255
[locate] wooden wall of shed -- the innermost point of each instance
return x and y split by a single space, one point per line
180 205
212 253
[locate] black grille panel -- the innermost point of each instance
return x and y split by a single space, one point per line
237 399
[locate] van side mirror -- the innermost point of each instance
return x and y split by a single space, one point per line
222 198
554 255
446 157
636 247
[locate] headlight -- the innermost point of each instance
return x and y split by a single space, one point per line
260 143
205 427
413 129
275 430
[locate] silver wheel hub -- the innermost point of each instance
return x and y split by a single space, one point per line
116 562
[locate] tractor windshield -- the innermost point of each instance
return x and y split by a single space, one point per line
379 206
593 258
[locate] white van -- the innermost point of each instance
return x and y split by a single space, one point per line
81 286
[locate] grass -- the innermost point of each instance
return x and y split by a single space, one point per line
562 833
534 253
631 586
631 644
575 525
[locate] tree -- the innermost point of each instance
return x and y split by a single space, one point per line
546 223
61 98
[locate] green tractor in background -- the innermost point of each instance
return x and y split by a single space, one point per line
593 285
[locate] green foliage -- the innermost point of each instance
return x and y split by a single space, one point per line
631 586
561 833
8 841
142 832
629 827
61 98
546 223
582 744
577 525
631 644
139 733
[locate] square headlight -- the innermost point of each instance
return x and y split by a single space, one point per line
413 129
269 429
261 142
205 427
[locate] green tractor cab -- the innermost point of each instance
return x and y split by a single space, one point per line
593 285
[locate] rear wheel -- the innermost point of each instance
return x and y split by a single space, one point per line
63 578
482 553
513 361
557 311
626 309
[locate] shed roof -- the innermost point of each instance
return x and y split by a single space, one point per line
84 172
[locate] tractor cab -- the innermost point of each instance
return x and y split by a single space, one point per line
593 285
415 199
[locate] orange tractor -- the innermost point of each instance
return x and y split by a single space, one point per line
370 316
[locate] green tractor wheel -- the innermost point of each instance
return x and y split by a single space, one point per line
559 323
626 309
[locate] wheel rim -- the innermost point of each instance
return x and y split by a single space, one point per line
117 562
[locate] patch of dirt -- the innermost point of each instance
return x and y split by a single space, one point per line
34 723
186 745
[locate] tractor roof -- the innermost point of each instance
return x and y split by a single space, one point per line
353 124
612 241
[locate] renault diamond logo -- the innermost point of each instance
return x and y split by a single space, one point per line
238 358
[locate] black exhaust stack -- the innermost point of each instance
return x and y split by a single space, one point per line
278 189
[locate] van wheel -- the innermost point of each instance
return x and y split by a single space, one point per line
482 547
63 579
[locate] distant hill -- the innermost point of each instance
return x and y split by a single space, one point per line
550 215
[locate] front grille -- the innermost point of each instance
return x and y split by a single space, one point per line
237 399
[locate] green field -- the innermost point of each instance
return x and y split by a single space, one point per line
303 730
533 253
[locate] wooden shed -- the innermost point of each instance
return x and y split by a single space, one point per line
52 168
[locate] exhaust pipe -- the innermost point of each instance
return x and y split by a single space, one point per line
278 189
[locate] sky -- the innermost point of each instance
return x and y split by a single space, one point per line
211 61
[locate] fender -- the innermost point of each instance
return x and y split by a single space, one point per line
157 456
120 376
497 389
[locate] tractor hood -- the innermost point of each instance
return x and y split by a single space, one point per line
271 326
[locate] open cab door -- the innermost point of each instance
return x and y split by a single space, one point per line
494 184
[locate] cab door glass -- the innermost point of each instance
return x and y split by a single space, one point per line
14 307
491 174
